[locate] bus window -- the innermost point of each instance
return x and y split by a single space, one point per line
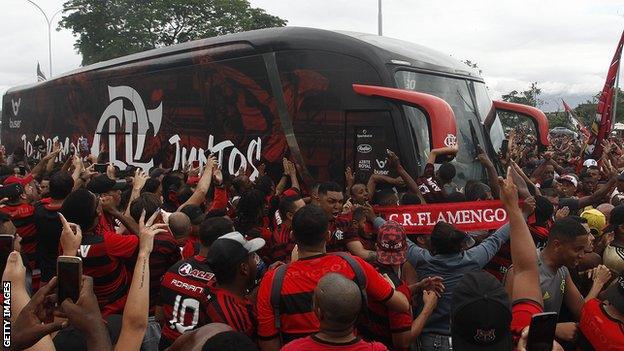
456 93
484 106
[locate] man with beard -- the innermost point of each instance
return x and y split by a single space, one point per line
567 242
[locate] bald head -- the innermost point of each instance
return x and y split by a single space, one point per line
338 299
605 209
180 224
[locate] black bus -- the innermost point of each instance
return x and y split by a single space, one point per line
324 99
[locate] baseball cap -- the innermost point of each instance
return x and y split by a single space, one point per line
596 221
231 249
194 213
391 244
102 183
615 293
590 163
620 177
13 179
569 178
615 219
480 314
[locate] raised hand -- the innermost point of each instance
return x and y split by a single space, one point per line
140 178
148 230
30 325
71 237
508 191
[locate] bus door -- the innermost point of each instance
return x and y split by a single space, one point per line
369 134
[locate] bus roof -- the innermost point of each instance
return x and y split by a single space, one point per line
377 49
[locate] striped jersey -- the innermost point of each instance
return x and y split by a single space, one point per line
183 292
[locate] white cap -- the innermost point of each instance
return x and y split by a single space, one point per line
590 163
569 178
252 245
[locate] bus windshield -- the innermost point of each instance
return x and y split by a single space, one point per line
470 103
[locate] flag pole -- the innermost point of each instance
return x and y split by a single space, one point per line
615 98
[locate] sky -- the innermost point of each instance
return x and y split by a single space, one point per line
565 46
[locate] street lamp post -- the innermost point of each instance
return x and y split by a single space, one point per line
49 22
379 19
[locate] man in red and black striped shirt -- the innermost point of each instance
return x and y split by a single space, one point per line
341 238
234 261
183 287
103 256
21 211
281 244
297 318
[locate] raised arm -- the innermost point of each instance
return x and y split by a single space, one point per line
140 178
598 194
394 161
491 172
134 322
523 252
199 195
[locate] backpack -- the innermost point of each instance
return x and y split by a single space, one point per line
278 281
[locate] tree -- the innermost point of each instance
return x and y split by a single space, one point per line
527 97
111 28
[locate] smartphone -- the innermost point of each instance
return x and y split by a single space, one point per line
195 164
6 247
69 275
100 167
542 331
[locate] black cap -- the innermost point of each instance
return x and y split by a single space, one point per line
621 177
194 213
615 294
102 184
616 219
230 249
480 314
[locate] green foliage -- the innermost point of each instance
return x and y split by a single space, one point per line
527 97
111 28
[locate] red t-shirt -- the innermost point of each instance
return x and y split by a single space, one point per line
280 245
235 311
340 234
102 259
191 247
296 315
601 331
164 255
312 343
384 322
428 186
522 311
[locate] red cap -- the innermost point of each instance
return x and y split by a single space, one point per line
21 180
391 244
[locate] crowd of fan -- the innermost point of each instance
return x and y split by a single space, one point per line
193 260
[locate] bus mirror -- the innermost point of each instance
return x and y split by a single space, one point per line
536 115
440 116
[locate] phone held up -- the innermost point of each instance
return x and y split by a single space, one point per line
69 275
542 331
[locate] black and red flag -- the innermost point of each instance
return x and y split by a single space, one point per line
602 124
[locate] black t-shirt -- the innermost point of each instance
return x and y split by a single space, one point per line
48 234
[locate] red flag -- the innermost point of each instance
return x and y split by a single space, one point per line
574 120
603 114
